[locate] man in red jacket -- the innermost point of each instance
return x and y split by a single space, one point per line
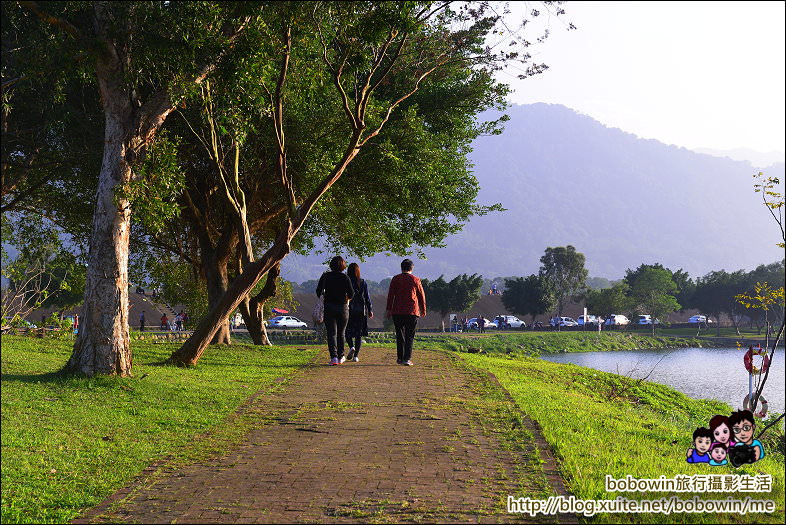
406 302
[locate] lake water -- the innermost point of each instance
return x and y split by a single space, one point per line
701 373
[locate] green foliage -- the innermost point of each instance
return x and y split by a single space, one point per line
609 301
458 295
43 273
715 292
652 291
159 182
69 442
532 295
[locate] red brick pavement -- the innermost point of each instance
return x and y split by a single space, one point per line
362 442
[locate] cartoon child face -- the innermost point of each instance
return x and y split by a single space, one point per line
743 431
722 433
718 454
702 444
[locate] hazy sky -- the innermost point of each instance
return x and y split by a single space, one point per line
694 74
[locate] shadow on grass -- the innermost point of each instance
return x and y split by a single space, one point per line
50 377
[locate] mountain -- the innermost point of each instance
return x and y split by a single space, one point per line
756 158
565 178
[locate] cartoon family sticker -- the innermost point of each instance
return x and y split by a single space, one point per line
728 440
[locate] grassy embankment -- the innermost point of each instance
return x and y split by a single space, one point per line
69 442
535 343
604 424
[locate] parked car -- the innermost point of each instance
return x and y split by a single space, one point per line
616 320
646 319
511 321
699 319
472 324
590 320
286 321
564 321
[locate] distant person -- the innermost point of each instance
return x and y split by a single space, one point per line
360 311
179 322
406 302
142 321
164 322
76 323
481 325
336 291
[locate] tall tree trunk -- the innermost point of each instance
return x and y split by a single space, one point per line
241 286
102 345
217 282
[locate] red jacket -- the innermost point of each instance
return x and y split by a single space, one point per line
406 296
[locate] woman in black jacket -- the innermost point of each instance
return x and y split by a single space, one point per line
337 291
359 312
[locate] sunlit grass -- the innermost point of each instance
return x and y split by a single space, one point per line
68 442
600 423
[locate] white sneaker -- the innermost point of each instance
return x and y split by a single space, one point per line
342 360
356 359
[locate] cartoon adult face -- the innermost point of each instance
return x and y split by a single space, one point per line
743 426
718 454
743 431
702 444
722 434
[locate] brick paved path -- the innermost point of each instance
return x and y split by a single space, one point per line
362 442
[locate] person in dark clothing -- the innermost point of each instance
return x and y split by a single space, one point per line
337 290
406 302
142 321
360 311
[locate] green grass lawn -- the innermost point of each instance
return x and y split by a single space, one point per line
600 423
69 442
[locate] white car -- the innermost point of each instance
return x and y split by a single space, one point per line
699 319
511 321
564 321
286 321
590 320
618 320
472 324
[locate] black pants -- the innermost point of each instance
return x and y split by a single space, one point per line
405 335
355 342
336 317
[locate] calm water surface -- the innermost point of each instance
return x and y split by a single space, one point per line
701 373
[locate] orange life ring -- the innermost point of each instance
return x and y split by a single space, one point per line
764 406
749 366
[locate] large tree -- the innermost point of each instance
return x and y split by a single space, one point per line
142 57
652 291
531 295
563 268
458 295
374 58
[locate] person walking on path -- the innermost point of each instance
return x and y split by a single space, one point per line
481 324
337 290
406 302
360 311
142 321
